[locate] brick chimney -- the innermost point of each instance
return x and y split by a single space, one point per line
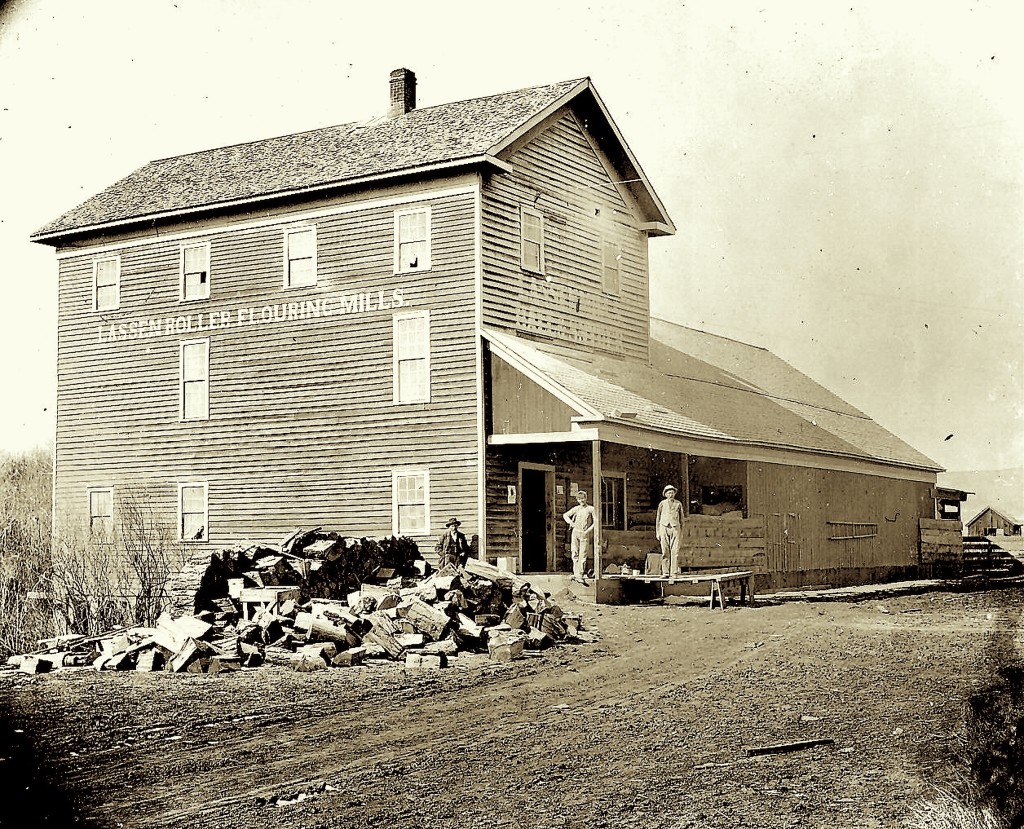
403 92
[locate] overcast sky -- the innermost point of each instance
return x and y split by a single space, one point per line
846 180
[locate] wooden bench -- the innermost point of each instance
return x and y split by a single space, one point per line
745 579
270 599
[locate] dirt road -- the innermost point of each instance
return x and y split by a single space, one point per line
646 729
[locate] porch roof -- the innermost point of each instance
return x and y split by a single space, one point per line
725 394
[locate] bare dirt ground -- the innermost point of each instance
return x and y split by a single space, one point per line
645 729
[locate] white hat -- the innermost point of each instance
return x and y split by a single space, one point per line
668 487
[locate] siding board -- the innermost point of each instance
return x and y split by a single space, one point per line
560 174
302 426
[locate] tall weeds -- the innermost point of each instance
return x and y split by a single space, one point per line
69 583
25 612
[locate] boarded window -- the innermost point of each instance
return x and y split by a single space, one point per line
412 357
300 258
850 530
106 284
533 240
411 502
192 523
195 271
195 380
101 514
610 272
412 240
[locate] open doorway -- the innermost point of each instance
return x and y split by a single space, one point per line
536 517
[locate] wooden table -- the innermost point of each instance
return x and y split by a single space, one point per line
716 580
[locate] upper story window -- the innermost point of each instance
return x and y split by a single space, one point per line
410 504
195 271
612 256
412 357
532 229
412 240
195 380
106 283
300 257
101 514
193 514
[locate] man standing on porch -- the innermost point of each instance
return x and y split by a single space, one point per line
667 527
581 519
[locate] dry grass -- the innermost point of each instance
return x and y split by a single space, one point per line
947 811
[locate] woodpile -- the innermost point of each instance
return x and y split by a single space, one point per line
397 611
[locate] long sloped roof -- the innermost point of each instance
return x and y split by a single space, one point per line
719 391
287 164
1000 513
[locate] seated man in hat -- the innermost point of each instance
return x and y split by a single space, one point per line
452 547
667 528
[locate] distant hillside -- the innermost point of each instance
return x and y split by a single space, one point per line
1002 489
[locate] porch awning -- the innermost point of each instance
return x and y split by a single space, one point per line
682 402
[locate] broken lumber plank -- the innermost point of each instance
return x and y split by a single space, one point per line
324 630
504 646
411 640
281 657
446 646
306 662
798 745
188 650
425 618
35 665
383 634
515 618
349 658
224 664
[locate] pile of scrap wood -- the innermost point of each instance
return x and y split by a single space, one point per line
326 565
424 621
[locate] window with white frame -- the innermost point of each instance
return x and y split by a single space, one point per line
300 257
195 271
193 514
612 255
613 501
410 490
412 357
532 231
106 283
412 240
101 514
195 379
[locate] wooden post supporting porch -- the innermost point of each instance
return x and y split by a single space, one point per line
596 458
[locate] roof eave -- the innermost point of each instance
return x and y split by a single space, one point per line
660 223
585 422
486 160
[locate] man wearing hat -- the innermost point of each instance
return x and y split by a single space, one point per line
581 519
667 527
452 547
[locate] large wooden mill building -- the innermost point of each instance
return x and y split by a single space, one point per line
442 311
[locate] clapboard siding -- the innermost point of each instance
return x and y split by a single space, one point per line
560 174
797 504
520 406
302 428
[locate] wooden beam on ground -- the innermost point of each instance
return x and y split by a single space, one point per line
780 748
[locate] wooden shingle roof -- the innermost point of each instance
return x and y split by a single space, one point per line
314 159
463 132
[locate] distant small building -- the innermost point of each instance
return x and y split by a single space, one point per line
992 522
